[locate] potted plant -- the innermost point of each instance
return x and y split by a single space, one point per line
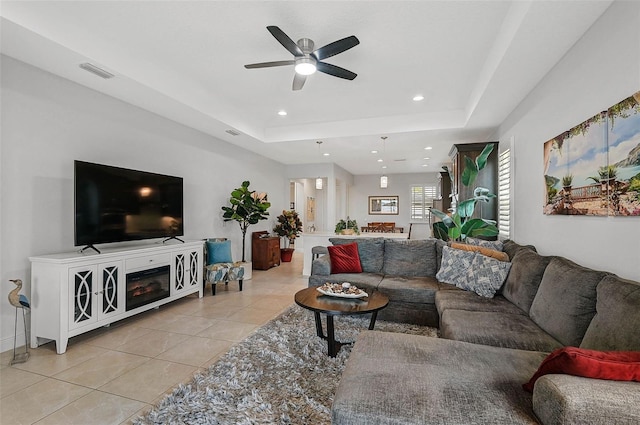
246 208
459 224
348 227
566 183
606 174
288 226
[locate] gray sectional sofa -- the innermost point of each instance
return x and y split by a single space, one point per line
488 347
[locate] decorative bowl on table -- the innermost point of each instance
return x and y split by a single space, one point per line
341 290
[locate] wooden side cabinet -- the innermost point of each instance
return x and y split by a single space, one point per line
265 251
488 177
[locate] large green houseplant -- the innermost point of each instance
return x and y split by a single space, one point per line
460 224
288 225
246 208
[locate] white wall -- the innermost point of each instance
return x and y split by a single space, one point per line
599 71
47 122
399 184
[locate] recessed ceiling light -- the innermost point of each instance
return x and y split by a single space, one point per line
282 113
380 160
428 148
374 151
425 165
384 166
426 157
418 98
326 154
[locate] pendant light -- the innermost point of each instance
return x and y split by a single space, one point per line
319 179
384 180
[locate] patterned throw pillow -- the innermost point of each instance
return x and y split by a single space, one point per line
472 271
454 266
497 245
486 275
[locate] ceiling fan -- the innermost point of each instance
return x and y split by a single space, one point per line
306 60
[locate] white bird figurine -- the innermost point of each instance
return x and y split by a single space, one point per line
16 299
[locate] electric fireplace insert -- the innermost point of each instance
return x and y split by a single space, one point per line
147 286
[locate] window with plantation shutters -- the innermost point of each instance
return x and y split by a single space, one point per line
504 194
422 197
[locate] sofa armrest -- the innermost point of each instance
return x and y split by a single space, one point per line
321 266
567 399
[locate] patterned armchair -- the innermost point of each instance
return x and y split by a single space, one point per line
219 267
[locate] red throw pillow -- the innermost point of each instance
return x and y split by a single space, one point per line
612 365
345 258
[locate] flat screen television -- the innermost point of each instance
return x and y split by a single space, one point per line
115 204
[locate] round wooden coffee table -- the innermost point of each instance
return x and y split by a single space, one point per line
313 300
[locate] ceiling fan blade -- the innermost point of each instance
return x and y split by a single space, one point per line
269 64
336 71
298 81
285 41
336 47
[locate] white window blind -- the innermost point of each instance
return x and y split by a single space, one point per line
422 197
504 194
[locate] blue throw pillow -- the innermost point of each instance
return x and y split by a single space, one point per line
219 252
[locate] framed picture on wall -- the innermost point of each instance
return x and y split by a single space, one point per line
383 205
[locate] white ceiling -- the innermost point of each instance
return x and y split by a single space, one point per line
473 61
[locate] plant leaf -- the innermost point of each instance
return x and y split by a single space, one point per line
470 172
481 160
440 231
441 215
479 227
466 208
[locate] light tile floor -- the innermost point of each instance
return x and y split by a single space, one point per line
112 375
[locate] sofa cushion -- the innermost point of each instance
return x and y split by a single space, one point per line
410 257
616 325
496 329
498 255
440 244
371 251
566 300
394 378
344 258
511 247
566 399
611 365
465 300
321 266
409 289
527 269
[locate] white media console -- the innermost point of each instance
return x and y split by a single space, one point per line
73 293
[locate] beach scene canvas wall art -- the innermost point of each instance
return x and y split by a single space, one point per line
594 168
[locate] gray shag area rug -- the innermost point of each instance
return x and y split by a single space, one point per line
280 374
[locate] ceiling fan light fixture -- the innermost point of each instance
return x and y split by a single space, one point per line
305 66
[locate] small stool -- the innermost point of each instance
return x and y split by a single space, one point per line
224 272
317 251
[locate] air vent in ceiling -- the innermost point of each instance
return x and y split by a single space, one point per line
233 132
400 160
97 71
